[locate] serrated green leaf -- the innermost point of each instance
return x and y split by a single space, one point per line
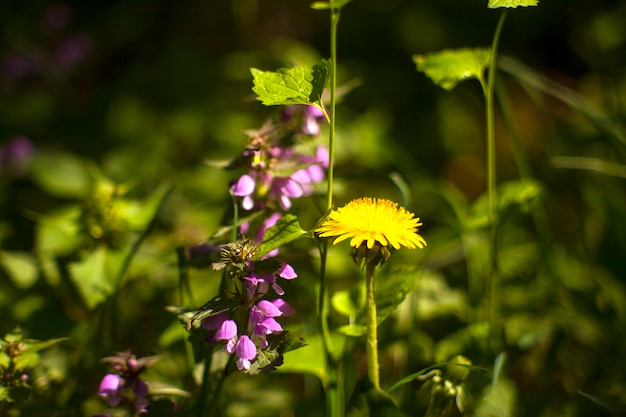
494 4
21 268
95 274
286 229
451 66
321 76
296 85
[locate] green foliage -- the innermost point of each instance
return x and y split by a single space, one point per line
451 66
286 229
21 267
324 5
493 4
391 289
95 275
297 85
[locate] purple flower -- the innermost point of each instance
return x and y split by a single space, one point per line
126 388
141 396
246 351
312 115
110 389
286 271
244 187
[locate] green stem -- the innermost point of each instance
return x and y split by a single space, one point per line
491 135
491 273
334 22
334 391
372 336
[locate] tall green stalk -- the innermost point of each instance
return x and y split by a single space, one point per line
493 283
334 389
372 328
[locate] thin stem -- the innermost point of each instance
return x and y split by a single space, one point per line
372 336
491 135
491 273
334 392
334 22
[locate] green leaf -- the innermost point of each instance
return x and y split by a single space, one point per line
21 268
523 195
367 401
501 401
451 66
391 290
95 275
59 233
308 359
37 345
297 85
353 330
211 308
349 302
494 4
286 229
61 174
323 5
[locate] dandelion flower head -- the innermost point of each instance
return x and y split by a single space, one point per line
372 221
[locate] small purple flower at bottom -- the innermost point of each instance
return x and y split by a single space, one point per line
110 389
246 351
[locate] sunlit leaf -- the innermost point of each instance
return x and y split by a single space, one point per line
95 275
296 85
494 4
21 267
61 174
307 359
391 290
323 5
349 302
286 229
59 233
451 66
353 330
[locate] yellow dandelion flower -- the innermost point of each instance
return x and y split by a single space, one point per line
373 221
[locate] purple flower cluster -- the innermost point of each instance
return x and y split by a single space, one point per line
261 323
277 172
125 387
255 317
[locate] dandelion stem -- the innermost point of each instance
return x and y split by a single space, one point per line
372 336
